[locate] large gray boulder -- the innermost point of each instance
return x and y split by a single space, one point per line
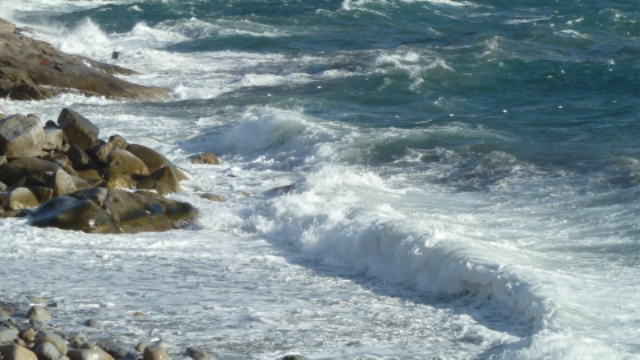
153 159
77 129
21 136
123 163
16 352
20 198
19 168
155 352
48 336
113 211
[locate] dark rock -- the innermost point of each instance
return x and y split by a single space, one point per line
28 335
42 193
3 187
101 152
21 136
13 171
3 160
164 181
141 346
12 214
113 348
117 211
27 182
91 176
204 158
80 159
295 357
213 197
124 163
38 313
92 323
77 129
62 160
198 354
150 184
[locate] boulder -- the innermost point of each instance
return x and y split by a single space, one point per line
53 137
3 160
120 182
155 352
113 211
3 187
204 158
62 160
92 323
20 198
77 341
48 336
21 136
32 69
124 163
27 182
42 193
295 357
12 214
13 171
164 181
113 348
101 152
7 335
62 183
91 176
77 129
28 335
16 352
150 184
88 354
47 351
153 159
80 183
80 160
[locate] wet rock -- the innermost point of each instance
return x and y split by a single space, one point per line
77 129
20 198
204 158
88 354
213 197
80 159
124 163
16 352
80 184
13 171
62 183
139 314
152 159
92 323
62 160
12 214
295 357
118 142
91 176
198 354
21 136
118 211
167 175
48 336
155 352
47 351
150 184
6 27
27 182
77 341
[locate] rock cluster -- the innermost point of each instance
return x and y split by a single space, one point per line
32 70
80 182
34 337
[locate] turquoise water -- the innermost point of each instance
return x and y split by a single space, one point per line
483 153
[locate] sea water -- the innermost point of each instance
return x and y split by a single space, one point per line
465 178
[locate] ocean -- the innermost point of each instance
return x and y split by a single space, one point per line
465 178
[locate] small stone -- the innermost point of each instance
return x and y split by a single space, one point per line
77 129
16 352
92 323
204 158
20 198
139 314
155 352
48 336
213 197
295 357
47 351
141 346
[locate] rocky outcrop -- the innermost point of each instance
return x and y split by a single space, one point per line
86 190
32 70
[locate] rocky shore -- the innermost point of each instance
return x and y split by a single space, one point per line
33 335
33 70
